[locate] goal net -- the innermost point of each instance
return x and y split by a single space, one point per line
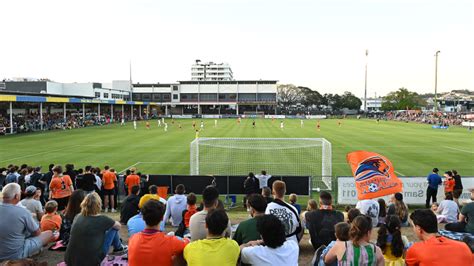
254 114
278 156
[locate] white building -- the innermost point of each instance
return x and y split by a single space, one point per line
211 71
373 104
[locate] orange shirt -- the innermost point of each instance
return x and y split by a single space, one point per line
51 221
60 187
108 179
439 251
151 247
132 180
449 185
187 215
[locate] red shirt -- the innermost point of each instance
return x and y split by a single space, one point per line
108 179
439 251
449 185
151 247
132 180
187 215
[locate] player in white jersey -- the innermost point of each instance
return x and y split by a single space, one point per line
215 122
135 124
166 127
163 120
282 125
202 125
302 123
122 122
159 122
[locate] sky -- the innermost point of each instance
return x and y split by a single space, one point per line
314 43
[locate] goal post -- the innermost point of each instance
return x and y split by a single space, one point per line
254 114
278 156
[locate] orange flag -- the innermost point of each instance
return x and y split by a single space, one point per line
374 175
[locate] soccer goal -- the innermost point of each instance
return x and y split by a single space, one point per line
254 114
278 156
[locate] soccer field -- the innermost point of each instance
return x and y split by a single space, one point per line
414 149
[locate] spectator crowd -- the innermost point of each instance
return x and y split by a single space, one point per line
65 209
432 118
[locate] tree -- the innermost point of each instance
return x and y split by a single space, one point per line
288 94
350 101
311 98
334 101
402 99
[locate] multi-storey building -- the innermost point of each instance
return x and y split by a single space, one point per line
211 71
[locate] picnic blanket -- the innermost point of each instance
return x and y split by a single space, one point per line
109 260
455 235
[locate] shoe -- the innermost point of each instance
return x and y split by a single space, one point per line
106 210
113 210
122 249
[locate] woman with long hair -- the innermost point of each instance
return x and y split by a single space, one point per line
391 241
357 251
73 208
399 208
382 211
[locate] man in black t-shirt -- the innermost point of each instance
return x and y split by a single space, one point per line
88 180
321 222
45 180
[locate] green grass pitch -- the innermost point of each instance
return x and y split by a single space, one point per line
414 149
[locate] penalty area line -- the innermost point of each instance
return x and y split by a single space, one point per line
399 173
129 167
456 149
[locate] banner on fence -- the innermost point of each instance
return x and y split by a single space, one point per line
414 190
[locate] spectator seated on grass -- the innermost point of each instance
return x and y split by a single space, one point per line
293 201
287 214
20 235
153 194
466 218
382 211
151 246
274 248
183 228
391 241
215 248
312 205
51 220
247 230
73 208
137 224
447 211
130 205
175 206
32 204
320 223
434 249
358 250
399 208
369 207
342 235
197 223
267 194
92 234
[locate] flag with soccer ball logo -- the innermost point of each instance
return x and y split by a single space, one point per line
374 175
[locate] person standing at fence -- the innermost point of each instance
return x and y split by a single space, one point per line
109 179
457 186
263 179
434 180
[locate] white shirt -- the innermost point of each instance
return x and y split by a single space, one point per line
449 209
286 254
98 182
174 209
370 208
263 180
286 216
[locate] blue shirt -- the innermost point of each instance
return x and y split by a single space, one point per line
136 224
434 180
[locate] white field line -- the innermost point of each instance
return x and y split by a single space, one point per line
39 153
399 173
129 167
456 149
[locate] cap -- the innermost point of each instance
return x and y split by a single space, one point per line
30 190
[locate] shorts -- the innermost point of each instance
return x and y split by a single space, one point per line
457 193
32 246
108 192
62 203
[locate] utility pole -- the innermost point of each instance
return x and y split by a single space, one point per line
365 90
436 82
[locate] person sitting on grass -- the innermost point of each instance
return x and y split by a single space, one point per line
447 211
247 230
434 249
357 251
391 241
320 223
183 228
267 194
287 214
130 205
342 235
73 208
311 206
197 222
215 249
153 194
175 206
151 246
466 218
274 248
293 201
92 234
20 235
32 204
382 211
137 224
51 220
399 208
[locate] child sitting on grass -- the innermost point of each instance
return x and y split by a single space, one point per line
342 235
391 241
183 227
51 220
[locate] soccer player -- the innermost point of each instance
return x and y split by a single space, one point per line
302 123
122 122
135 124
202 125
159 122
238 120
339 123
215 122
194 124
253 124
166 127
282 125
197 134
147 124
318 125
179 125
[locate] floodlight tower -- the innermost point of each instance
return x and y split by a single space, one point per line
436 82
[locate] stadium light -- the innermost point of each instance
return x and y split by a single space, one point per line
365 90
436 82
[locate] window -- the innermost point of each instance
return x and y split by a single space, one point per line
106 95
175 87
166 97
175 96
97 94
